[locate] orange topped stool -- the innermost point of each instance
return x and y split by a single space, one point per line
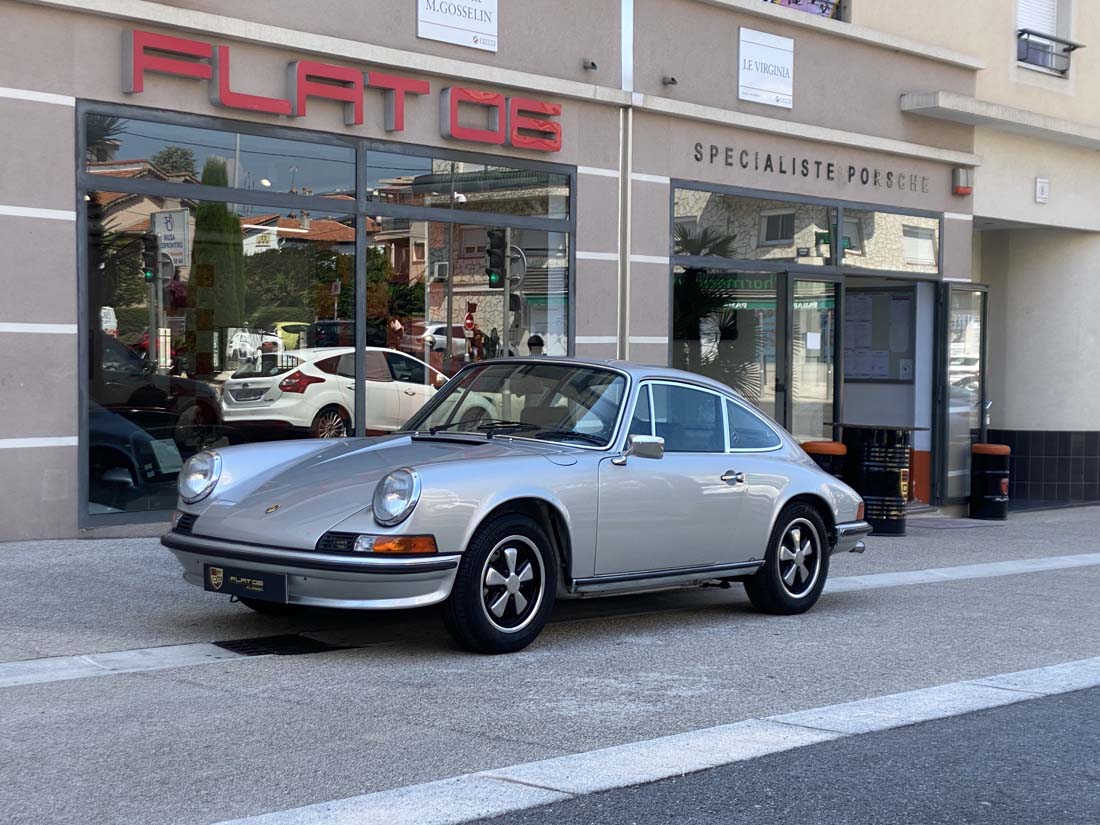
829 455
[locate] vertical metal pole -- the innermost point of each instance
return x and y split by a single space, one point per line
151 346
359 305
507 335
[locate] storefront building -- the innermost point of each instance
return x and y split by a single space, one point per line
206 213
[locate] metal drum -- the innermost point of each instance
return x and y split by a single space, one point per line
878 469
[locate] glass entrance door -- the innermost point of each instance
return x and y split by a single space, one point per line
964 393
726 326
813 373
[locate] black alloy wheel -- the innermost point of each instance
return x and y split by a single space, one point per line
795 565
505 586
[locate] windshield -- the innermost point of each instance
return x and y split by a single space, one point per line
552 402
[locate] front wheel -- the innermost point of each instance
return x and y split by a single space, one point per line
505 586
795 566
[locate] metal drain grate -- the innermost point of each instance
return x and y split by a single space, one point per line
289 645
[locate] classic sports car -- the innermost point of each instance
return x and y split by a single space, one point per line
590 478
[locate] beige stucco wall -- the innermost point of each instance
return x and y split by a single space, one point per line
1043 331
987 29
554 37
840 84
1005 183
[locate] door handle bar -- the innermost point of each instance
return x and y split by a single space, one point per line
735 477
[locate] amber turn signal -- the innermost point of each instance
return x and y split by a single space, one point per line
404 544
859 511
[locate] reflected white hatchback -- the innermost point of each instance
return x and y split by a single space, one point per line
313 391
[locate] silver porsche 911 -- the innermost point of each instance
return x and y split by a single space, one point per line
522 481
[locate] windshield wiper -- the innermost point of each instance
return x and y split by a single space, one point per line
492 425
440 427
564 434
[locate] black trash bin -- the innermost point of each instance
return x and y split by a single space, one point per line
878 469
989 481
829 455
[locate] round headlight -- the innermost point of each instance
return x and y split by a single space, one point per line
396 496
199 476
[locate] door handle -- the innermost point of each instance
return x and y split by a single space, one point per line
736 478
409 392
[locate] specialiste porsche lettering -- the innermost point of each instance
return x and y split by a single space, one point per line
519 122
803 167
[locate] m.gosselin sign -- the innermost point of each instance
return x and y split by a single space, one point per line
519 122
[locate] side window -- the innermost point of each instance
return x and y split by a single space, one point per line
641 423
376 367
689 420
346 367
748 431
406 369
328 365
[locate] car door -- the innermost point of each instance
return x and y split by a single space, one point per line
383 404
411 378
755 454
679 511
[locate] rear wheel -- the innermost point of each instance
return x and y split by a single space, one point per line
795 566
331 422
505 586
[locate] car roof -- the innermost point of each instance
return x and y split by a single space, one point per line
638 372
316 353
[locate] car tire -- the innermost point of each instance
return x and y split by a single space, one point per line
197 427
505 586
272 608
795 565
330 422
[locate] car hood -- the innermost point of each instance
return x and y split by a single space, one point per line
307 496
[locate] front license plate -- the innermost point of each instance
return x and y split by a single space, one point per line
252 584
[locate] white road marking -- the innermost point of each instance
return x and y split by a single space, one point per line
960 572
520 787
58 668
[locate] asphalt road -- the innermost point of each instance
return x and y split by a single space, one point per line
1033 763
236 738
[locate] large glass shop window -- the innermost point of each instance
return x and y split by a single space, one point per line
244 328
243 332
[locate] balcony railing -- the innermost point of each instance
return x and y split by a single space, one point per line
1044 50
819 8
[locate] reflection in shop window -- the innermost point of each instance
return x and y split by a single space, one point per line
777 228
411 180
727 226
890 242
723 326
221 346
132 149
920 245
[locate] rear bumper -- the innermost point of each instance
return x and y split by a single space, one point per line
361 582
850 536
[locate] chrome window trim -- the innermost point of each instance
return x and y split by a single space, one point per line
685 385
763 420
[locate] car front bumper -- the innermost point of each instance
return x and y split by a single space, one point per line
359 582
850 536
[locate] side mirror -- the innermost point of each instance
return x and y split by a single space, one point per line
438 380
642 446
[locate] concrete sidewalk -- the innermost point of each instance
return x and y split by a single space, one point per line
91 596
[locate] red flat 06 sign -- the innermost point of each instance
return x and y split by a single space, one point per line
519 122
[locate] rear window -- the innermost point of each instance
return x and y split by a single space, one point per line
269 365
